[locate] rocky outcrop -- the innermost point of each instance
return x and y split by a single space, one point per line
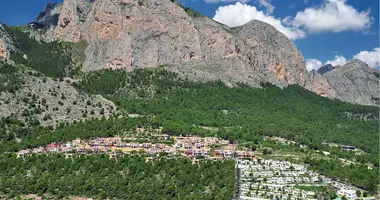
319 84
130 34
43 27
139 34
354 82
49 16
325 69
6 43
71 20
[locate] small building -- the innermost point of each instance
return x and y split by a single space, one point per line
349 194
160 137
146 145
348 148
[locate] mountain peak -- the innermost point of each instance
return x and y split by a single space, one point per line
325 69
49 16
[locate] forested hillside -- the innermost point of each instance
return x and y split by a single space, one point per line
240 112
129 177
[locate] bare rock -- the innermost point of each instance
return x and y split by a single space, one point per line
319 84
6 43
130 34
355 82
71 20
49 16
271 53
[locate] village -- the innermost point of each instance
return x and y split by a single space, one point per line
273 179
192 146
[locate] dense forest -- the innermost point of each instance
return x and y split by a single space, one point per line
124 177
360 176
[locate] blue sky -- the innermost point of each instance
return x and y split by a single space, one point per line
342 29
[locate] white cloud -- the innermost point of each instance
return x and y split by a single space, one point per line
239 14
226 1
266 3
338 60
333 16
372 58
313 64
262 3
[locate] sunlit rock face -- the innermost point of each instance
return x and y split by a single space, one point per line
132 34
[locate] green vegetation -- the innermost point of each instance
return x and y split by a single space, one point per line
240 113
35 136
243 113
52 59
10 79
191 12
125 177
360 175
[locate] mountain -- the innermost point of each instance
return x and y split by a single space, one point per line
353 82
131 34
325 69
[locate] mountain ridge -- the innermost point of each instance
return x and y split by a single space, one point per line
129 34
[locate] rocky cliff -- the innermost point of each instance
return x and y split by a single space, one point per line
354 82
131 34
6 43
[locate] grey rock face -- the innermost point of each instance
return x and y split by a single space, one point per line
355 82
317 83
325 69
6 43
49 17
46 23
130 34
269 52
71 20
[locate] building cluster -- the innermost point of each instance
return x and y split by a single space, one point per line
209 147
273 179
